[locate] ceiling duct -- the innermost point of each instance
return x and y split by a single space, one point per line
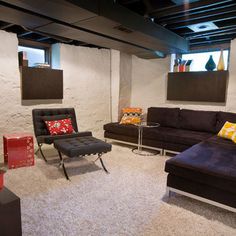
99 22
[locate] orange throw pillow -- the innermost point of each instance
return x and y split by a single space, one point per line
131 115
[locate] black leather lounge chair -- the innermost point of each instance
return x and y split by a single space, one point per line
72 145
40 130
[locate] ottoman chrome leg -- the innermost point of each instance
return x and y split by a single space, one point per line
100 158
41 151
63 166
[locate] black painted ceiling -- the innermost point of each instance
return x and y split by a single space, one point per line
176 16
172 15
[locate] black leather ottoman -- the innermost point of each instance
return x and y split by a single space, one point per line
81 146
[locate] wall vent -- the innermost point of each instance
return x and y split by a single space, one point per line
123 29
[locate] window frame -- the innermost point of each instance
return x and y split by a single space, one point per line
38 45
179 55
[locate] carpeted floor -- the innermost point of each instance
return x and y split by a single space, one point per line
129 201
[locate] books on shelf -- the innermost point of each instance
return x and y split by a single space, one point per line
41 65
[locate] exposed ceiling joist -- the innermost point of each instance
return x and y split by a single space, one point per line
215 18
199 16
213 38
206 21
207 10
215 32
212 47
212 42
25 34
230 33
180 2
164 12
6 26
42 39
128 1
221 29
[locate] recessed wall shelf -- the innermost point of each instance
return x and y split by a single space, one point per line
41 83
203 86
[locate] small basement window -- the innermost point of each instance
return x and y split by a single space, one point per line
33 55
199 60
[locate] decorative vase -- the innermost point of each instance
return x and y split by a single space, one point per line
187 65
176 65
210 65
221 64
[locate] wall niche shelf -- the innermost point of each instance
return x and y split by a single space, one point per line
202 86
41 83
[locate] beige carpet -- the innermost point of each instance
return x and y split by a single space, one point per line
129 201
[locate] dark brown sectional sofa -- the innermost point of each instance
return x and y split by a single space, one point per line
206 167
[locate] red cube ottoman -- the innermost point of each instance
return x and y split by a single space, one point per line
18 150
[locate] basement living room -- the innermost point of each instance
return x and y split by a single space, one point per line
118 117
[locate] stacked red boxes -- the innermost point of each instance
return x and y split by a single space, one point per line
18 150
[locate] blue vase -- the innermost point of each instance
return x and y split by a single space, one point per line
210 65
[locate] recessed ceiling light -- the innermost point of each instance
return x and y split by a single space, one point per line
203 26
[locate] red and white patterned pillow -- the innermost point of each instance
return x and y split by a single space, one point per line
56 127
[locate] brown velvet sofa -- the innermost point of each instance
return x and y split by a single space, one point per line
206 167
179 129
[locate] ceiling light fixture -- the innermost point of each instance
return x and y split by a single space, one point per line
203 26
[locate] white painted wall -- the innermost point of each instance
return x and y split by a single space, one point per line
149 85
86 87
148 82
115 84
125 82
121 74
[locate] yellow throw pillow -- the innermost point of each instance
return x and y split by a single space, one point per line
228 131
234 137
131 115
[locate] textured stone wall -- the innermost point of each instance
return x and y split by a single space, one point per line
149 85
148 82
86 87
121 75
125 82
115 84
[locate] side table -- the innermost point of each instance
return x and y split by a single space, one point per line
10 213
139 150
18 150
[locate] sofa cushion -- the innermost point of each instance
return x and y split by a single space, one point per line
167 117
178 136
207 163
116 128
222 117
49 139
198 120
222 142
